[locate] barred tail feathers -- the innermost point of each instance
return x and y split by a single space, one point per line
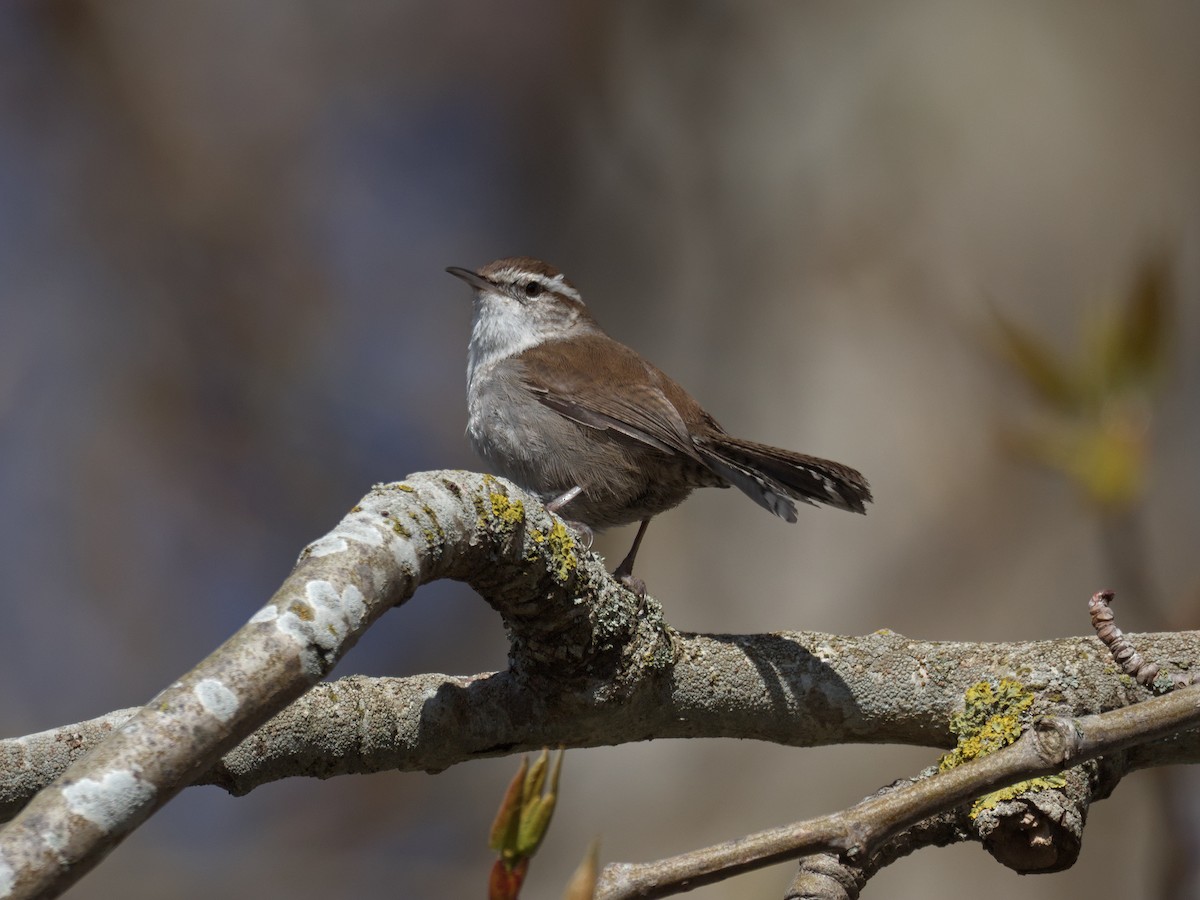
773 477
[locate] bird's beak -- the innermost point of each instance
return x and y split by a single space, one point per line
474 279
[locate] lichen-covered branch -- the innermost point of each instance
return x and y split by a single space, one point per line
794 688
1054 744
437 525
590 664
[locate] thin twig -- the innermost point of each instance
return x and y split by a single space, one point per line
1053 744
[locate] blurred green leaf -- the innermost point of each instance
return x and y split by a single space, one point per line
1104 459
1126 344
1144 324
1037 365
1094 426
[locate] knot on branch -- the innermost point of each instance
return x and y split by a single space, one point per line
1040 830
1035 834
1056 739
1031 825
825 876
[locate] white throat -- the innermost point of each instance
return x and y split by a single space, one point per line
503 328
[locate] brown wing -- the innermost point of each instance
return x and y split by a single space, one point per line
600 383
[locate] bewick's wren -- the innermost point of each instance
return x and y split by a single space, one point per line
587 424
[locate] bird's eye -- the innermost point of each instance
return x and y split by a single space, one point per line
532 289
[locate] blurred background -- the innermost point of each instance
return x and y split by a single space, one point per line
957 247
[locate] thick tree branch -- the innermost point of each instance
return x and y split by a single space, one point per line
589 665
437 525
793 688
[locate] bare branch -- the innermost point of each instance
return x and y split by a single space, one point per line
1055 743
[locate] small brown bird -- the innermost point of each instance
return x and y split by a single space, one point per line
588 425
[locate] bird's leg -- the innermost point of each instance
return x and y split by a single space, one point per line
624 572
563 499
555 505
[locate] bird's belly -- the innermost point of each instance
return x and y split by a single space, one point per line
622 479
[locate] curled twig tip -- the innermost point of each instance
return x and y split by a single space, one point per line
1123 652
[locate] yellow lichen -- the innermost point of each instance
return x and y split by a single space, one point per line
991 719
993 716
501 514
439 534
511 512
992 800
560 546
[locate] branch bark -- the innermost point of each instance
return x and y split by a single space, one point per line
437 525
720 686
1052 745
589 665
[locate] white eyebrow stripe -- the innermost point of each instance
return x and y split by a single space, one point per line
559 285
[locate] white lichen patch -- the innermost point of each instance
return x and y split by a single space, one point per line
357 528
321 620
405 555
379 579
56 840
109 801
323 546
363 529
216 698
7 879
337 614
268 613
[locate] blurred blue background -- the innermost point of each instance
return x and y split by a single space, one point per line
223 316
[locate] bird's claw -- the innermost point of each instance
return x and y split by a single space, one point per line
632 583
586 535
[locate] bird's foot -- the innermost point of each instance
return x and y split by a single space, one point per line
586 535
633 583
623 575
624 572
555 507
